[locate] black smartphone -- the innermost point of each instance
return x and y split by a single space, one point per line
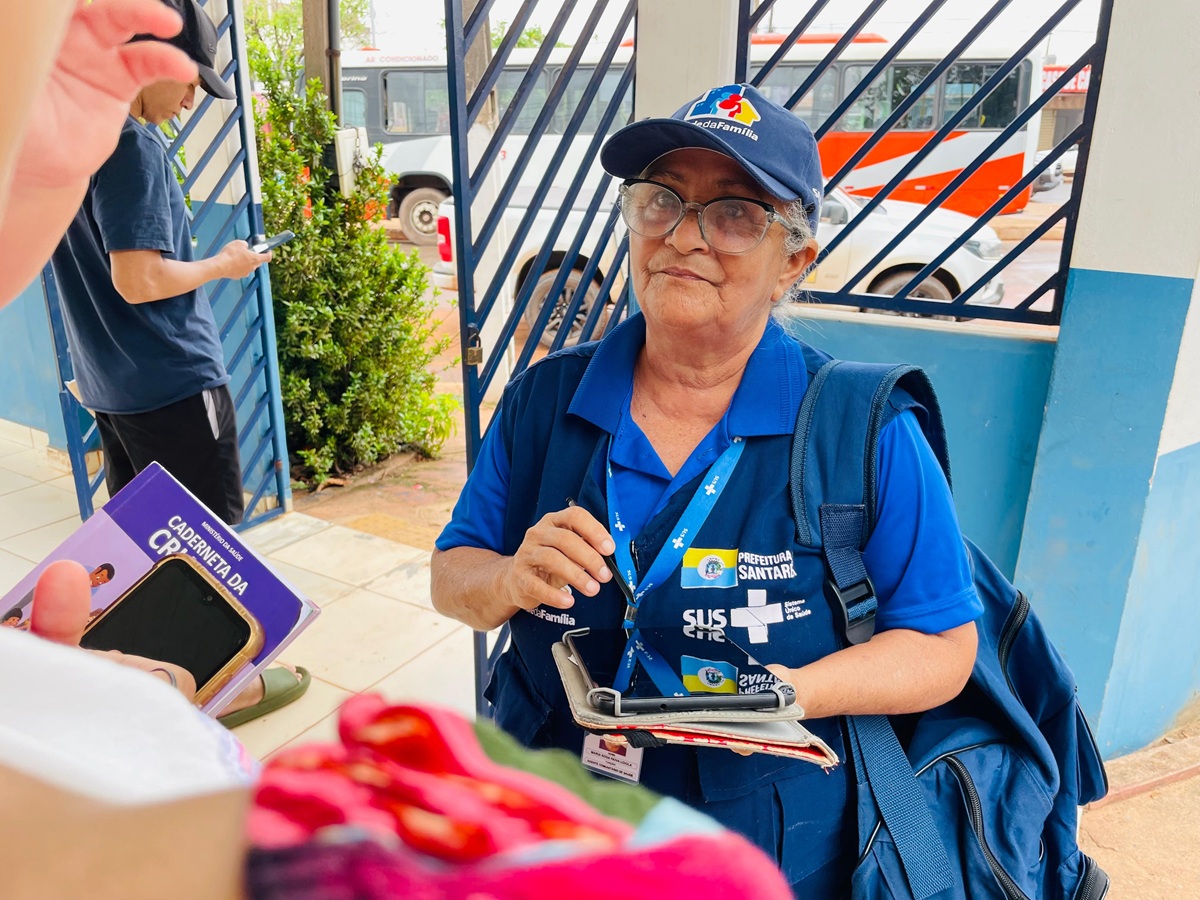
261 243
716 672
177 613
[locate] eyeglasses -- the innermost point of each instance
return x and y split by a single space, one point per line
727 224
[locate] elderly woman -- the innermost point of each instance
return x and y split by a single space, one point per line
721 201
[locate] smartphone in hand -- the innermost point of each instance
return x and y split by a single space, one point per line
178 613
261 243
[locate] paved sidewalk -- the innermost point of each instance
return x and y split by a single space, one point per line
1146 832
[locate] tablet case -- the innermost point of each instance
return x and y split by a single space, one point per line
777 731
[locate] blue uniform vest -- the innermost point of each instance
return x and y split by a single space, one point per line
792 809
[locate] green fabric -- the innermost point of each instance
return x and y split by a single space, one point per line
627 802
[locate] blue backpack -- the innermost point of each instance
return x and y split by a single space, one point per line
978 797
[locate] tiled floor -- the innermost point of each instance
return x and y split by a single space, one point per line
377 630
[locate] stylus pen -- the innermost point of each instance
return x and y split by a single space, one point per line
618 579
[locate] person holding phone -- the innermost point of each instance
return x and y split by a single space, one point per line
673 435
145 347
144 344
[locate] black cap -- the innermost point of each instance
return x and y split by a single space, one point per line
198 39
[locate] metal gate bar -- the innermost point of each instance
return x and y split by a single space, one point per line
1028 113
867 80
478 302
900 302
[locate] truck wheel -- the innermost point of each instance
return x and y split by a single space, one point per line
419 215
541 291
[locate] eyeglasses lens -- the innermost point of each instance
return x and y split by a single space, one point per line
728 224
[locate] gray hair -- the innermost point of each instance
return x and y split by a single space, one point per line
799 236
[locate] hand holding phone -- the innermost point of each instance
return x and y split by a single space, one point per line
177 613
261 243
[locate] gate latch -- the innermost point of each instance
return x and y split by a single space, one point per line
474 346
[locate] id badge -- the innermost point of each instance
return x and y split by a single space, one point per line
612 756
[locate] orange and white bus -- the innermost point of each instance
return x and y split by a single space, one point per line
961 81
403 102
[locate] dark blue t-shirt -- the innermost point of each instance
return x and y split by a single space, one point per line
132 358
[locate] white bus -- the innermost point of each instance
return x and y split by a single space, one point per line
403 102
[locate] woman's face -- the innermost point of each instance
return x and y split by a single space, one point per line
683 284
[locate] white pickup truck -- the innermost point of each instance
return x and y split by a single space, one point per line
962 268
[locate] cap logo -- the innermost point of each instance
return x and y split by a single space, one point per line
725 109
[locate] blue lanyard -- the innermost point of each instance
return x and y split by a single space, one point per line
664 565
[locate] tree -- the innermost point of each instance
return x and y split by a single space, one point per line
275 32
533 36
355 329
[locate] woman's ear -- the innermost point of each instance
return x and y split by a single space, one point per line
794 268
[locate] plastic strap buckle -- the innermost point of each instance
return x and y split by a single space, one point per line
857 604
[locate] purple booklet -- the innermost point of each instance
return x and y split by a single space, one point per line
154 516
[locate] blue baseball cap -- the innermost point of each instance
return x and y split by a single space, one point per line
774 146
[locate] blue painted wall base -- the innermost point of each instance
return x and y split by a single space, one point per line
1112 376
1156 669
28 380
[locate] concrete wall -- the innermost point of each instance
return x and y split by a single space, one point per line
1109 547
28 377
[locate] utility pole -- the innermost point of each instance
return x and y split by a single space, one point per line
479 54
322 49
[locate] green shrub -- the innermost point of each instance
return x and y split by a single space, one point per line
354 338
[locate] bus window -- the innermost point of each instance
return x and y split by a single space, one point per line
887 92
506 89
963 81
600 103
417 103
815 106
354 108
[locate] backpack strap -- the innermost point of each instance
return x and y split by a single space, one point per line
834 470
833 487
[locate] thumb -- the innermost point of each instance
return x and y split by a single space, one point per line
62 599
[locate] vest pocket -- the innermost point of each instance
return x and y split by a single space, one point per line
519 708
801 824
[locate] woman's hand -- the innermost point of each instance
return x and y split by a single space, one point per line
562 552
61 603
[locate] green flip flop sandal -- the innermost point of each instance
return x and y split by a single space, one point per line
280 688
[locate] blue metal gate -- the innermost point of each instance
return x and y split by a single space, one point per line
933 100
570 287
243 311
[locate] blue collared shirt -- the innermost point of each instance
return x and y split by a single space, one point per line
915 555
